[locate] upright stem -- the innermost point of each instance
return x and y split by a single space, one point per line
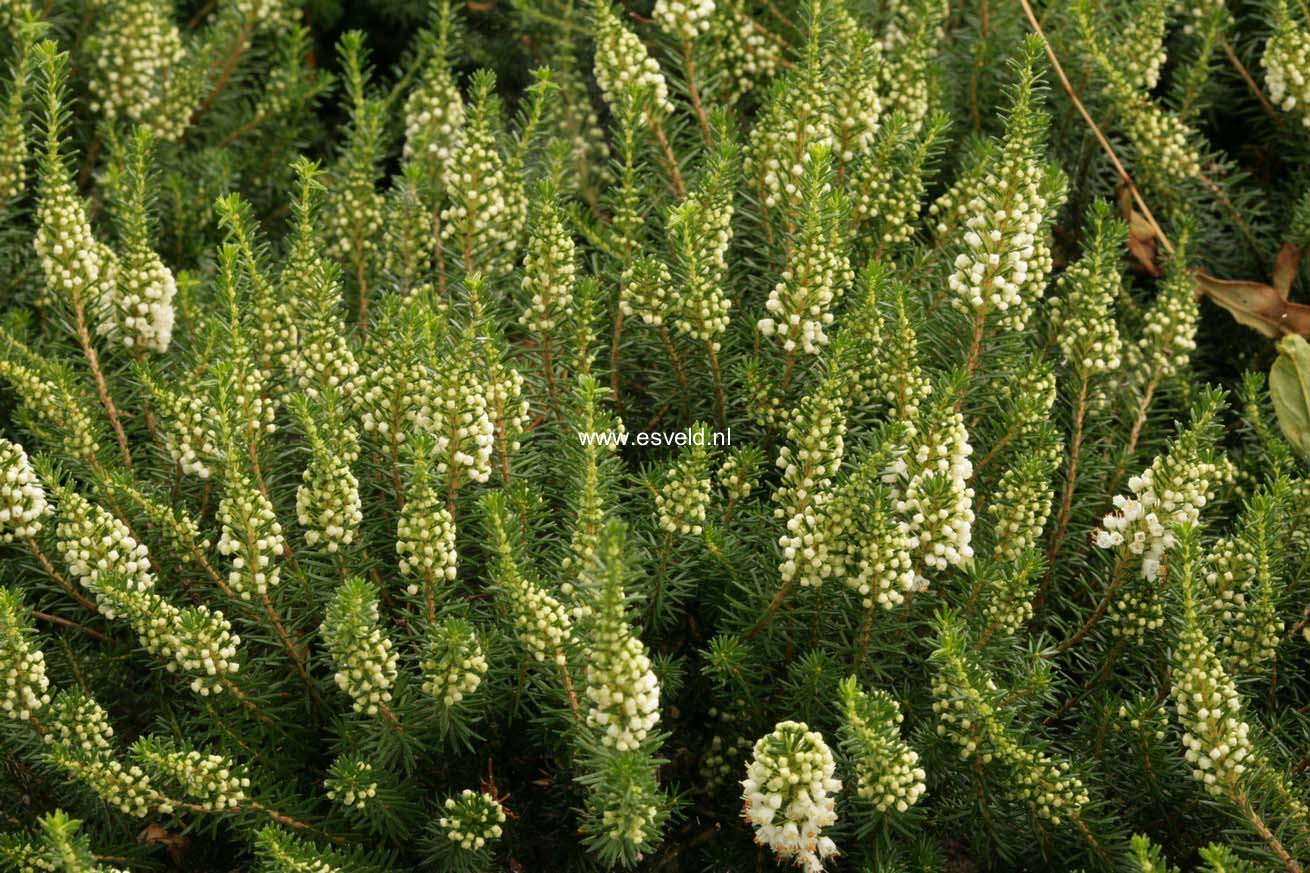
677 366
102 387
614 358
1115 581
225 74
1066 501
548 367
720 402
671 162
1096 131
693 91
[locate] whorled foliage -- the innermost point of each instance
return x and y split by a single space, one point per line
694 434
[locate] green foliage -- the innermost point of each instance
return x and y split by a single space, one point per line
729 435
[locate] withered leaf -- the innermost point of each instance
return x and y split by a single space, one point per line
1285 267
1256 305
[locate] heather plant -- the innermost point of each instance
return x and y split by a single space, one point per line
707 435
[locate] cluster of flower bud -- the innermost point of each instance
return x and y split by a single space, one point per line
22 496
739 473
700 229
816 436
880 565
509 409
887 771
322 360
354 218
1137 612
350 782
1083 308
434 117
795 127
125 788
549 272
364 657
624 69
136 51
251 538
1004 257
74 264
386 399
886 202
1166 497
723 757
488 206
1143 40
23 682
684 496
931 492
454 410
1049 787
101 553
1286 63
1021 504
745 57
425 538
1215 735
198 640
543 623
645 291
818 271
78 723
187 430
790 794
139 305
1240 600
683 19
1162 138
453 662
472 819
327 502
207 780
968 711
623 689
55 403
1008 595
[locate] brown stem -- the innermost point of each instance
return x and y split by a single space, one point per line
568 685
1250 82
975 346
55 619
225 74
719 401
296 659
677 365
1262 829
1066 501
670 162
231 688
689 72
771 609
614 357
290 822
1115 581
362 282
1136 433
102 387
58 577
548 366
1096 131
